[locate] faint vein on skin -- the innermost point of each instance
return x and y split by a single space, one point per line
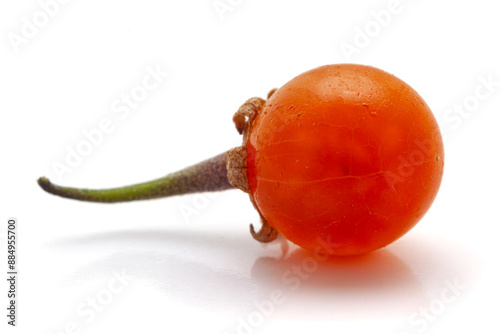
283 141
319 215
324 180
343 177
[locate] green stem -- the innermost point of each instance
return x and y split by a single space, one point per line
208 175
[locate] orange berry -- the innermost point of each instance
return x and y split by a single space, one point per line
344 159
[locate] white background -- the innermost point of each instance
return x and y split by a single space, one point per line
202 272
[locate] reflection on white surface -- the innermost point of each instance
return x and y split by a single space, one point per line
226 279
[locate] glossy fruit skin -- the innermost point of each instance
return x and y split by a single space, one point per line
344 159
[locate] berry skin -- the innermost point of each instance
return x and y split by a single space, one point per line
344 159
